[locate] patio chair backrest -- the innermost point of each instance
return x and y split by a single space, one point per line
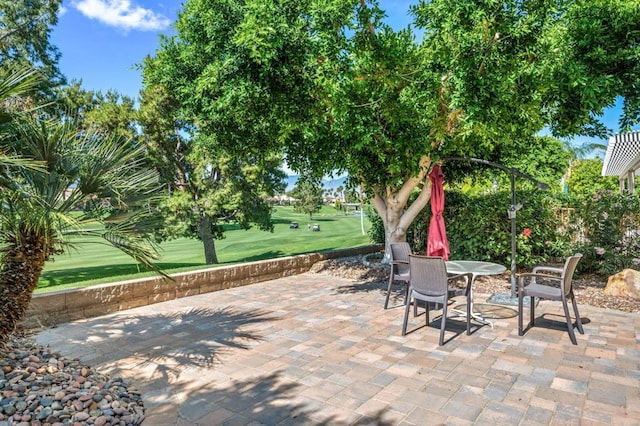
428 275
568 270
400 251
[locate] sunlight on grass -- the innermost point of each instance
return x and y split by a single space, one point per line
93 263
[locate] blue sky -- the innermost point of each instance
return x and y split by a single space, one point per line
101 41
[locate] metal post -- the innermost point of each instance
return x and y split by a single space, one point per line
504 298
513 234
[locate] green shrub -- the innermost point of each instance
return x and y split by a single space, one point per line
607 225
604 227
478 227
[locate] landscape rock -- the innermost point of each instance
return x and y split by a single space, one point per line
624 283
30 396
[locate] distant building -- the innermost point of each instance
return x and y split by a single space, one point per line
282 200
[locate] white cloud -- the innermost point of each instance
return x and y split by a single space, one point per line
122 14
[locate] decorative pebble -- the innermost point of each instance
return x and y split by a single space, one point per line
81 416
38 387
46 412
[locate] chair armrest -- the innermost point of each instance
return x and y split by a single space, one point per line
547 269
535 275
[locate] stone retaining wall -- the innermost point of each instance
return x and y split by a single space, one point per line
67 305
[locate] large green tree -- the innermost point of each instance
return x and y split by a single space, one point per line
207 187
397 106
108 112
542 158
596 48
487 75
586 178
338 89
308 197
25 27
75 168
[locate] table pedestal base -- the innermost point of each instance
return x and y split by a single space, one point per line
474 316
507 299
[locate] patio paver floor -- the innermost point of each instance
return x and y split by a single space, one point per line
316 349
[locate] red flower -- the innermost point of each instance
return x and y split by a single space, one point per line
526 232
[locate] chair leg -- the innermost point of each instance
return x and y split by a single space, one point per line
406 313
520 329
386 301
443 322
575 310
532 307
572 335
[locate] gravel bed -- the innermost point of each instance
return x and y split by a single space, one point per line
587 288
41 388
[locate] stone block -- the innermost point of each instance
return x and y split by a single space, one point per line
97 310
255 269
93 296
624 283
48 302
158 286
161 297
288 263
273 266
137 302
210 286
269 277
189 285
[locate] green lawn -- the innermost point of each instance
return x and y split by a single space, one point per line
93 263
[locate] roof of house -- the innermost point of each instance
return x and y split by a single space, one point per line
623 154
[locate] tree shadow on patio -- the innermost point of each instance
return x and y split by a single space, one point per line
266 399
372 286
159 348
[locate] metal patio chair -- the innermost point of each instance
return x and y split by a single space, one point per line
399 268
562 291
429 282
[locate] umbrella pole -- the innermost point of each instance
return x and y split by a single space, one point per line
504 298
512 215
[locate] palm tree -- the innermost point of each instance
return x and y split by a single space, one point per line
38 216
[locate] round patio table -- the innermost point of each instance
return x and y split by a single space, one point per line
476 268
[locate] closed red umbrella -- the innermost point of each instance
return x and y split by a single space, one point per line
437 244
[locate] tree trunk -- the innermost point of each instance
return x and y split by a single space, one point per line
204 230
22 265
391 205
361 210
